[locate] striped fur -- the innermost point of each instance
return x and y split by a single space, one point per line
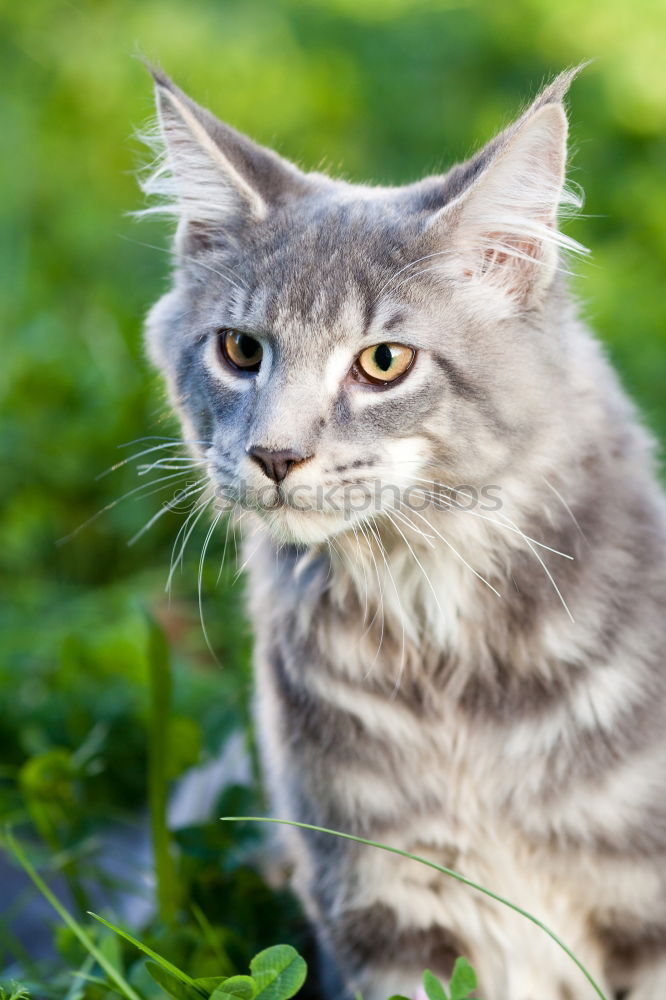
481 685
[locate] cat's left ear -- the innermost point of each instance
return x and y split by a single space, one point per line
502 231
214 179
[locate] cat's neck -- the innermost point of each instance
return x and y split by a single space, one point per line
486 598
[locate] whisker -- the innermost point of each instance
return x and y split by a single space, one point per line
171 443
410 277
170 463
448 505
374 534
186 533
438 253
567 509
211 529
226 542
194 260
428 538
416 558
245 564
380 605
185 494
114 503
455 552
401 668
545 569
365 575
160 437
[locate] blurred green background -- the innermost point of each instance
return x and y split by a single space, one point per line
378 90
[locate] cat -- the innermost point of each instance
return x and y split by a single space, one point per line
475 678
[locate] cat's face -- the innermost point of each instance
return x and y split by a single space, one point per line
333 349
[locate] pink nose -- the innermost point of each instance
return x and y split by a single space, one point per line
276 464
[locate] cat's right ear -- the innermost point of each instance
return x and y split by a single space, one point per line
214 179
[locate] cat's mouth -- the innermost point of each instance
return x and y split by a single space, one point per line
291 524
303 514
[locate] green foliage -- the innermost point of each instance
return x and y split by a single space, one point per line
462 972
94 723
174 985
278 972
162 963
15 992
239 988
461 984
433 987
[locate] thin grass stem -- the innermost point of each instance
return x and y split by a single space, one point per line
439 868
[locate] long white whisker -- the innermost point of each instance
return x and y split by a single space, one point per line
195 260
567 509
426 537
226 543
245 564
186 533
179 498
154 437
172 464
415 557
438 253
114 503
410 277
545 569
380 606
171 443
365 574
455 552
396 686
449 505
199 587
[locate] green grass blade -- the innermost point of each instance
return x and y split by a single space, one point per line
173 985
77 989
212 940
159 668
164 962
64 914
439 868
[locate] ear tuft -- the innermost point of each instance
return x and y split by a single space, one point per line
193 178
208 175
557 90
503 229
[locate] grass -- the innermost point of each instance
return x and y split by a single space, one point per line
276 973
439 868
97 721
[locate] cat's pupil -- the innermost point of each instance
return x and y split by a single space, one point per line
248 345
384 357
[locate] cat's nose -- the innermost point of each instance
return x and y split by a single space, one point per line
276 464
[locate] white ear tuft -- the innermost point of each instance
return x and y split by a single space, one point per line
503 229
194 180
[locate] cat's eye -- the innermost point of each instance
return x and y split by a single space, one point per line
240 351
383 364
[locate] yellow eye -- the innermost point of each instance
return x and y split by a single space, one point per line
383 363
240 350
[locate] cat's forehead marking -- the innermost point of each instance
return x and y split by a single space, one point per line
313 262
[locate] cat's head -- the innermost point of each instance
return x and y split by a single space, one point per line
329 345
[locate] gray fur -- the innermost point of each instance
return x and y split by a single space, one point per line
521 737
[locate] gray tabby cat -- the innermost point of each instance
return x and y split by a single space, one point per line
480 683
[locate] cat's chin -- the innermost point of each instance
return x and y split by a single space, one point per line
296 527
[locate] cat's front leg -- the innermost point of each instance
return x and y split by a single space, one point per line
378 954
651 983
